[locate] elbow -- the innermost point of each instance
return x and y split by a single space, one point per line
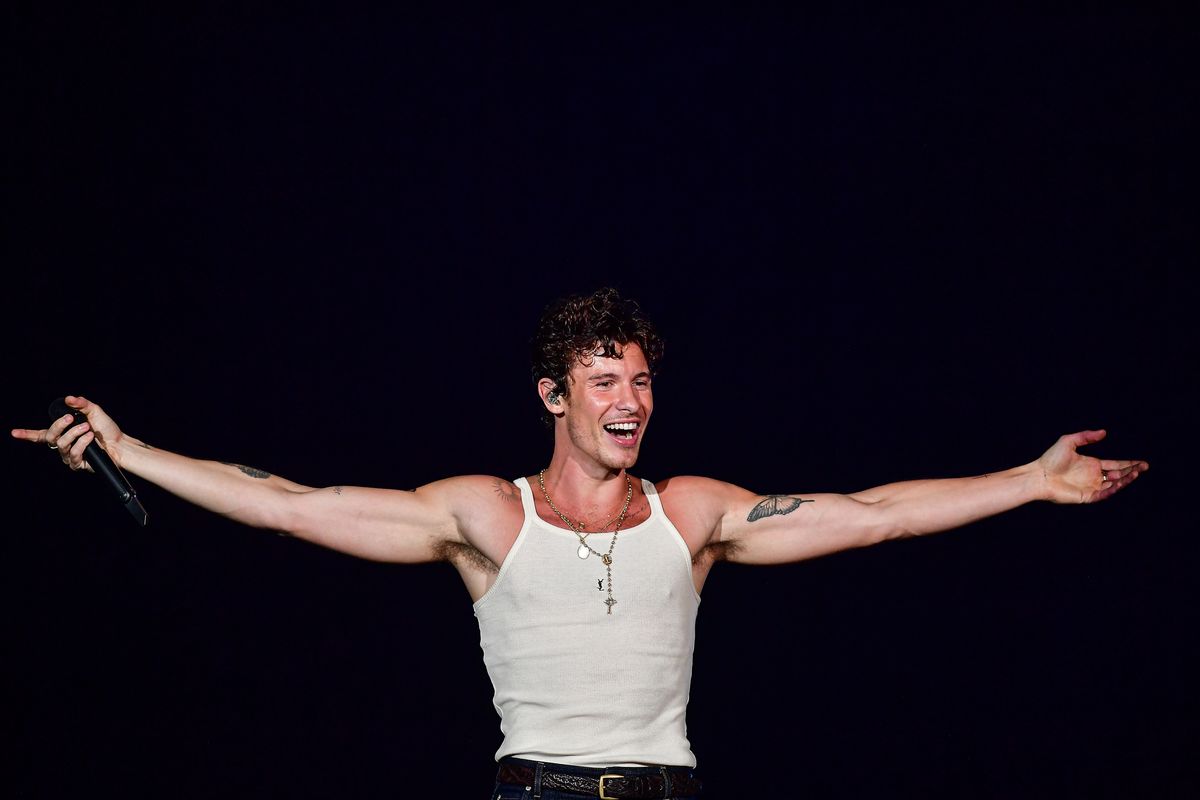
279 512
257 517
886 524
897 532
303 513
286 515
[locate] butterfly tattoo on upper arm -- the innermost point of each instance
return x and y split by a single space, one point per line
774 504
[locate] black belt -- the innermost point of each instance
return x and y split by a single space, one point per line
611 783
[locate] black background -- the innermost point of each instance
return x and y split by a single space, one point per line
880 245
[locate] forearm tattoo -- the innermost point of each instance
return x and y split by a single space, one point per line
251 471
775 504
337 490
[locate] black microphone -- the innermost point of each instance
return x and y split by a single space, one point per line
101 464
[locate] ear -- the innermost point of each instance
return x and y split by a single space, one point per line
551 399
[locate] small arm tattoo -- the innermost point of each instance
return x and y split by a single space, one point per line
506 490
251 471
774 504
143 444
337 490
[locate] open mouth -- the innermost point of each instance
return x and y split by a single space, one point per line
624 432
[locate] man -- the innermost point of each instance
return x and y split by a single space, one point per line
586 581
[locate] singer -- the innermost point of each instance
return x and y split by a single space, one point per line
583 560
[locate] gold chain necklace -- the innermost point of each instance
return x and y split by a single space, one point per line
585 549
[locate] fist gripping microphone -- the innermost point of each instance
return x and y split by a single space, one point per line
101 464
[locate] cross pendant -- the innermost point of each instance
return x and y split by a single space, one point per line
610 602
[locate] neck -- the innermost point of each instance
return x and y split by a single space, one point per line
584 487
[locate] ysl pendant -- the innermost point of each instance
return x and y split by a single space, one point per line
583 551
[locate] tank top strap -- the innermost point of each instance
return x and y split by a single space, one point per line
656 508
526 498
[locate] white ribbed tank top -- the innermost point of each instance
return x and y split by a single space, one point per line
573 684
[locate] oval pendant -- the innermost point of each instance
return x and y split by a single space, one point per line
583 551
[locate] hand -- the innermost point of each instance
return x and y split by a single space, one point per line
71 440
1074 478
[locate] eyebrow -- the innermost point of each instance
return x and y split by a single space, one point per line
612 376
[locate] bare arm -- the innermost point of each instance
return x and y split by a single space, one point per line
776 529
379 524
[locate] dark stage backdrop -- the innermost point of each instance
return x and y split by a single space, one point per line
881 245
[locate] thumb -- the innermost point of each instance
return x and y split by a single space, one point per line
1087 437
77 402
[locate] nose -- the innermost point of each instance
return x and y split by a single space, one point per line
629 401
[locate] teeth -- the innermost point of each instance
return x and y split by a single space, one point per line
622 426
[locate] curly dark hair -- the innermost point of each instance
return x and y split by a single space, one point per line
575 328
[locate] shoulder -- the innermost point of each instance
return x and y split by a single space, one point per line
487 512
470 484
697 506
465 495
693 489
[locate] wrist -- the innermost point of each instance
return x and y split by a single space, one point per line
126 449
1037 482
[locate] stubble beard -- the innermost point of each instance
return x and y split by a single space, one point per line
601 451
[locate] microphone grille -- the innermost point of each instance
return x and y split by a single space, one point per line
59 408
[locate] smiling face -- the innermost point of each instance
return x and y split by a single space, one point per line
604 415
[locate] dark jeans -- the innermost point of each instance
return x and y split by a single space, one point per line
512 791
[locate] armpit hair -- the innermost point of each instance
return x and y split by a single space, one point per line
716 551
463 555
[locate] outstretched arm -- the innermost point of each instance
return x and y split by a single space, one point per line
379 524
777 529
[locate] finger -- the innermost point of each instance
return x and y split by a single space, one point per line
50 435
67 438
1109 463
1112 474
1085 437
1112 487
80 403
57 427
76 460
30 435
91 410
